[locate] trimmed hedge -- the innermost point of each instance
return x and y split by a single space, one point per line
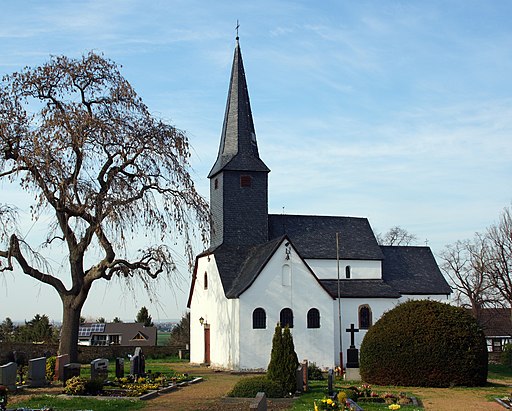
250 386
425 343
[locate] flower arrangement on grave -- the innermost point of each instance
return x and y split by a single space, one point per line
330 404
394 407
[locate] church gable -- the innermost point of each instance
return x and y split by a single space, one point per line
315 236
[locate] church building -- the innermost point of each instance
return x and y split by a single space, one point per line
311 273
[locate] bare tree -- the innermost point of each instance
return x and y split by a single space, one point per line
75 134
465 263
500 261
397 236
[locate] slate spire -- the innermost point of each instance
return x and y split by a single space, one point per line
238 148
239 178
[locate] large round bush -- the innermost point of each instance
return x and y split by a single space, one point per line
424 343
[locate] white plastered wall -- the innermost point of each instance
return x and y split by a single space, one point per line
297 289
219 313
359 269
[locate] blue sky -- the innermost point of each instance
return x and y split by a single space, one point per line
398 111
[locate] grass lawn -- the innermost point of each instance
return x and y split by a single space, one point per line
74 404
162 338
499 372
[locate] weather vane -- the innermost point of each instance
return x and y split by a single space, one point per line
236 28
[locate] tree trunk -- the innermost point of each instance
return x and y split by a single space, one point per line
70 324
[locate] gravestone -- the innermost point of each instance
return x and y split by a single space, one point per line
37 372
119 367
299 381
70 370
352 370
60 362
330 382
138 363
8 375
305 377
259 403
99 369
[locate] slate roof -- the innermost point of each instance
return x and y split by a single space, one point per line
238 148
315 236
239 266
360 289
413 270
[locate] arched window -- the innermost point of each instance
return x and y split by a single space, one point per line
286 317
347 271
365 317
286 275
205 280
259 318
313 318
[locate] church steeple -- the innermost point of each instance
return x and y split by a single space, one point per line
238 148
239 178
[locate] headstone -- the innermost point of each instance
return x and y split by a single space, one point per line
305 377
299 379
8 375
60 362
352 352
119 367
37 372
138 363
99 369
330 382
70 370
259 403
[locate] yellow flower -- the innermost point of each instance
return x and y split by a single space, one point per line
394 407
329 401
316 406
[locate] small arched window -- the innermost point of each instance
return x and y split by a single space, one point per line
347 271
205 280
365 317
313 318
286 275
259 318
286 318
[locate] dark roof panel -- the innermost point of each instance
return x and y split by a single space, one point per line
239 266
360 289
413 270
315 236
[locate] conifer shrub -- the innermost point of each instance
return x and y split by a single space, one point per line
283 360
250 386
424 343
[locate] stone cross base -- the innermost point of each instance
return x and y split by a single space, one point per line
352 374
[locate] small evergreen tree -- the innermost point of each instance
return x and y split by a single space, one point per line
290 362
283 360
144 317
274 369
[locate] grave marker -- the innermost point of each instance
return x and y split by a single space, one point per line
138 363
119 367
99 369
60 362
8 375
37 372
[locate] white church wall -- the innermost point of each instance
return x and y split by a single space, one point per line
359 269
279 287
350 315
220 315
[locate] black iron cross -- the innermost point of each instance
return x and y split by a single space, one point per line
352 330
236 28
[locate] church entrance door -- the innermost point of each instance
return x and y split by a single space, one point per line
207 344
